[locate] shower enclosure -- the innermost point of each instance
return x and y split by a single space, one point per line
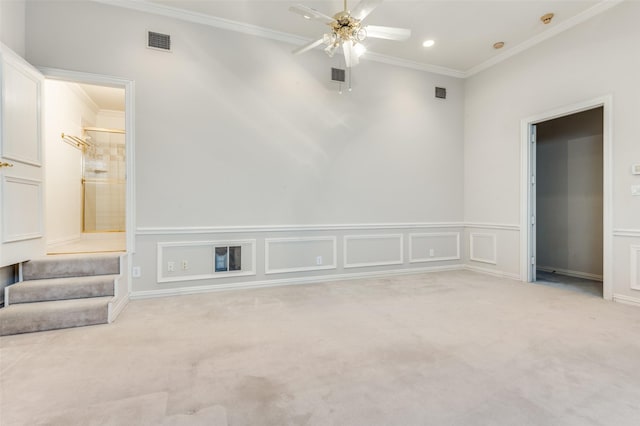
103 180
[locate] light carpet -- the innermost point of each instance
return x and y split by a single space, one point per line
450 348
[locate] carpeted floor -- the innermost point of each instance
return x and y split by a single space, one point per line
450 348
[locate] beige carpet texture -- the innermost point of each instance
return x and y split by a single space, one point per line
446 348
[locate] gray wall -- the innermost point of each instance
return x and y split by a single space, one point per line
569 194
232 131
589 61
12 25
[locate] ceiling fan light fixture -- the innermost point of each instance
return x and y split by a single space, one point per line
360 49
428 43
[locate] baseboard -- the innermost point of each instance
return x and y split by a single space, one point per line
115 308
495 273
148 294
627 300
568 273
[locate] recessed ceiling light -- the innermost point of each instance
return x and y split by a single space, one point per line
428 43
498 45
306 16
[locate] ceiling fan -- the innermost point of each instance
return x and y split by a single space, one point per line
346 30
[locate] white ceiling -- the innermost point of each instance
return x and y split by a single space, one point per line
110 98
464 31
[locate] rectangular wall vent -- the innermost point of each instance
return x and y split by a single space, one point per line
441 93
159 41
337 74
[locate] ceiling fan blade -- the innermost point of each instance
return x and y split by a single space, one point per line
310 13
308 47
364 8
389 33
350 55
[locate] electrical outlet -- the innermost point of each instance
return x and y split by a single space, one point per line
171 266
318 260
432 252
185 265
136 272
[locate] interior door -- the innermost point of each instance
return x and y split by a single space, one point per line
21 174
533 197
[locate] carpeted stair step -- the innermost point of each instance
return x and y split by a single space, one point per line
61 289
70 266
41 316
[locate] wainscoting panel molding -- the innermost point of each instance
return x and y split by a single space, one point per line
299 254
27 224
373 250
195 260
482 248
635 267
434 247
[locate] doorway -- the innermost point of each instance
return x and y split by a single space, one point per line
566 197
85 157
568 202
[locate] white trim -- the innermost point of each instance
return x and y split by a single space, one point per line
346 238
472 256
162 278
627 300
526 192
634 233
255 30
405 63
493 272
268 241
116 307
634 278
551 32
146 294
244 28
434 259
291 228
569 273
503 226
129 91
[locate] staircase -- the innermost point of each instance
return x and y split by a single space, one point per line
62 292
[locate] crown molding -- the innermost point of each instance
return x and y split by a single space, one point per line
551 32
244 28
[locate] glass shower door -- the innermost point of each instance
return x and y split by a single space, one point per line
104 181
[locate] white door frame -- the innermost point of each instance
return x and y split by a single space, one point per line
527 189
129 87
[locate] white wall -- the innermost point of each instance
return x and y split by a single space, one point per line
233 130
591 60
12 25
67 110
569 209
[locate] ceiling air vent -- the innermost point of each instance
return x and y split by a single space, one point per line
441 93
337 74
159 41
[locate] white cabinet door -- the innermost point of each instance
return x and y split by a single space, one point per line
21 174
